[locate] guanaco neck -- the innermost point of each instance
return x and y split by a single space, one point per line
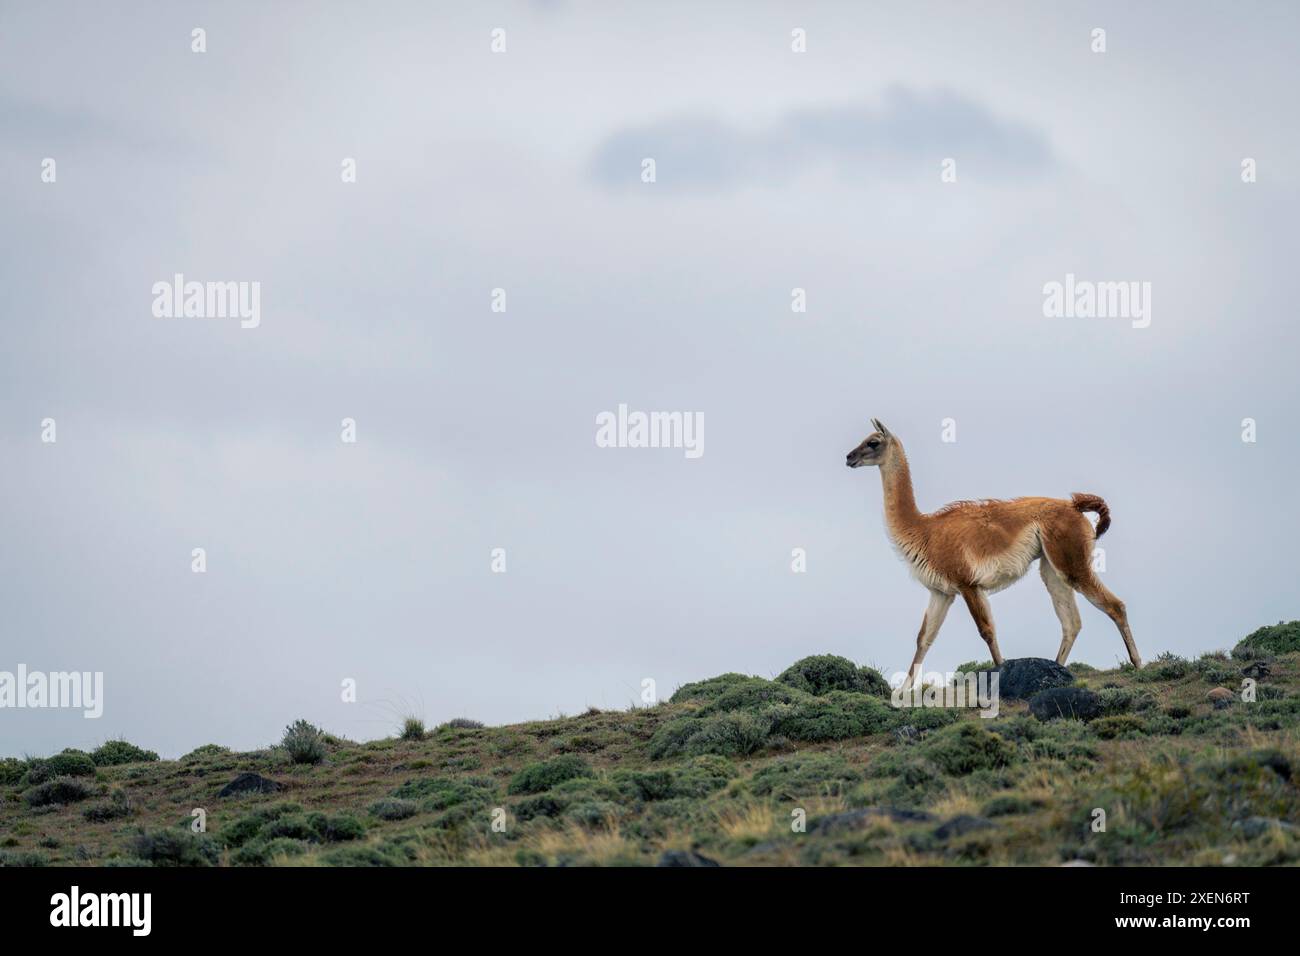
901 513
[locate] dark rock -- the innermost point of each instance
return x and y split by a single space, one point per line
1023 677
1065 702
961 825
861 819
1258 670
249 783
685 858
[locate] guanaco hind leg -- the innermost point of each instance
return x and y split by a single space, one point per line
1072 560
1067 609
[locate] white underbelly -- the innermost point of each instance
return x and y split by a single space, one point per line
1002 570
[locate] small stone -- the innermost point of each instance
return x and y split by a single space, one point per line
685 858
249 783
1077 863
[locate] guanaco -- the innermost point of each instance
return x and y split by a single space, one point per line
976 548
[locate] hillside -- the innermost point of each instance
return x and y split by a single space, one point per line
725 772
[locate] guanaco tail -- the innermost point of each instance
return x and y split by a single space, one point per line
976 548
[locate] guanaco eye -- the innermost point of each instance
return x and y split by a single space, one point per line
873 444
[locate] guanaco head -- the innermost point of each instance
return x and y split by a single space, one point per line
873 449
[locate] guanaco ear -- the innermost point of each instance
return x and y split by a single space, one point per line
881 428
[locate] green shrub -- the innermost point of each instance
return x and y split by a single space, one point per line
971 667
1122 700
837 715
802 776
1215 670
698 778
115 752
60 790
540 805
11 771
264 852
752 693
336 827
304 743
240 831
1120 727
964 748
412 729
904 779
289 826
205 751
706 690
463 723
24 858
823 673
117 805
594 814
538 777
70 763
1166 667
174 847
440 793
734 734
366 855
1279 638
394 809
312 828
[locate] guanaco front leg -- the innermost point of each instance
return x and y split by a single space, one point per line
978 603
930 624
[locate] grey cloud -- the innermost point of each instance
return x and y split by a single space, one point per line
908 130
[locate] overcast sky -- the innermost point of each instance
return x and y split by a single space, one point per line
521 170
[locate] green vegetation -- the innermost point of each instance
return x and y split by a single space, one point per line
303 743
1280 638
814 767
117 752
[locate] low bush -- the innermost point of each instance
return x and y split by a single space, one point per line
538 777
117 806
394 809
112 753
174 847
304 743
1279 638
58 791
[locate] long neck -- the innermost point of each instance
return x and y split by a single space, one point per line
901 512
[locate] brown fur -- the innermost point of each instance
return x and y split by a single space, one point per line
1086 503
973 548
